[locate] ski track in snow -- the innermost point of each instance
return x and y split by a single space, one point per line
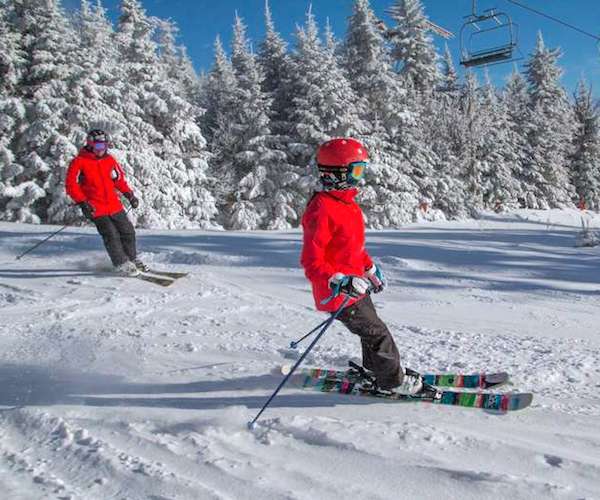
114 388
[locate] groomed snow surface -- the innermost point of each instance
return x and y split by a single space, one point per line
114 388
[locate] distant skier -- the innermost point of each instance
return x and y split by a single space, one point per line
93 179
334 256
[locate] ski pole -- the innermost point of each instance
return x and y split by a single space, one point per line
295 343
326 325
336 291
18 257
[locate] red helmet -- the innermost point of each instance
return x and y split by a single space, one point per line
341 152
342 163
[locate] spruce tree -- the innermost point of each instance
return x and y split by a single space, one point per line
162 147
500 184
412 47
390 197
323 103
42 143
586 155
550 132
275 62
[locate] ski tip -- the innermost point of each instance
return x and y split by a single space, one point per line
522 400
495 378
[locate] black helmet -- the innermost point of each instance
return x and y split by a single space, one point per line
97 141
97 135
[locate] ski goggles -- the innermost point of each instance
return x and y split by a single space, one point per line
98 146
356 170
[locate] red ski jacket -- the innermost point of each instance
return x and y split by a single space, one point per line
96 180
334 242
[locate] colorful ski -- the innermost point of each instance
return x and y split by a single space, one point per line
457 380
319 380
466 381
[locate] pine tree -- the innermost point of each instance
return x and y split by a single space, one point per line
323 103
500 184
449 77
586 156
471 133
276 67
42 142
163 148
263 195
12 111
516 101
390 197
412 47
550 132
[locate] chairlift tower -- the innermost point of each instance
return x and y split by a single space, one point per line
488 38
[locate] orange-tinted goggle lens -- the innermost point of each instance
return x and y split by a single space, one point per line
357 170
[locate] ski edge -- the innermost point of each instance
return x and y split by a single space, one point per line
170 274
479 380
157 280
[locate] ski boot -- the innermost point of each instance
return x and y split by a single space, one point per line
141 266
128 268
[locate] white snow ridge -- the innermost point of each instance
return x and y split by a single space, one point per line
115 388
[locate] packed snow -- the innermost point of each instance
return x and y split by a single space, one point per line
115 388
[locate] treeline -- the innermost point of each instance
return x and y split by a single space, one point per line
234 148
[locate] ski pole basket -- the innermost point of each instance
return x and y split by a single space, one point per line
488 38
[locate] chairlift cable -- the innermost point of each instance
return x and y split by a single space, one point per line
564 23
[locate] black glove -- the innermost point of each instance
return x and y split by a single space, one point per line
133 201
87 210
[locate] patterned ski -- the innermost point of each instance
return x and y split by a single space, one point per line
318 380
169 274
456 380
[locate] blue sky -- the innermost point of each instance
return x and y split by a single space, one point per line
201 20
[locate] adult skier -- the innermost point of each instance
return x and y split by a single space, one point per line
94 179
334 259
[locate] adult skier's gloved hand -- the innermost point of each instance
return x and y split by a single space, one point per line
376 277
133 201
349 285
87 210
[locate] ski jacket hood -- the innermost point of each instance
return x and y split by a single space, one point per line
333 242
97 180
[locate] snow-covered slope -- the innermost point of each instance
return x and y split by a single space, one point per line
114 388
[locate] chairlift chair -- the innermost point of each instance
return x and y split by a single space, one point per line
488 38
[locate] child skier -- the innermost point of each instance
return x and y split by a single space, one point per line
334 258
93 179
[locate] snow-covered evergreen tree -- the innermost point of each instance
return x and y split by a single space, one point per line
449 77
499 161
12 111
471 135
175 61
390 197
275 63
163 148
516 99
323 102
550 132
264 183
586 155
412 47
42 143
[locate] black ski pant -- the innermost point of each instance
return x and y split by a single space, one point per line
118 235
380 354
